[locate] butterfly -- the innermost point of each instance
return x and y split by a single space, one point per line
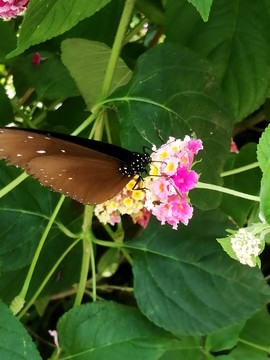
88 171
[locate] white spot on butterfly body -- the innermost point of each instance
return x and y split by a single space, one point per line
63 151
18 155
41 151
30 137
70 178
47 138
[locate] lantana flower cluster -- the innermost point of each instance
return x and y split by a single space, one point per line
11 8
164 192
128 201
247 245
170 179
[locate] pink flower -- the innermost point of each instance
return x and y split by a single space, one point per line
182 211
11 8
233 147
195 145
170 180
142 217
185 181
36 59
162 212
161 188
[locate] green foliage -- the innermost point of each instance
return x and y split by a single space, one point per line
247 181
203 7
231 40
47 19
114 321
136 74
263 151
179 281
15 342
87 62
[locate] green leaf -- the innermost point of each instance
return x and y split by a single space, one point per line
265 193
66 274
185 283
50 79
24 214
173 93
108 330
152 9
15 342
87 62
227 245
109 262
45 19
67 117
263 149
6 108
232 39
224 339
203 7
7 39
247 182
257 329
248 351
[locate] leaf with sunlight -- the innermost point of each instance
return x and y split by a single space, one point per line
263 149
87 62
47 19
203 7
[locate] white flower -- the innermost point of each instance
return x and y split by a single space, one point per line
246 247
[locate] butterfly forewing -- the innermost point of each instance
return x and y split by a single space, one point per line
80 172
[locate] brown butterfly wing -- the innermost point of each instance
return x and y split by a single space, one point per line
84 174
89 181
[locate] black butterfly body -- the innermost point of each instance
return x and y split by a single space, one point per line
88 171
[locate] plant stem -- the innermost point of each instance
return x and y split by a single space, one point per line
201 185
265 349
47 278
86 122
93 269
239 170
39 248
87 249
13 184
109 244
118 41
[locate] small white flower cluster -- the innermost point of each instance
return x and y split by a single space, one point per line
246 247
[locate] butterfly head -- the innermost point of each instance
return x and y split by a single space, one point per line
137 165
